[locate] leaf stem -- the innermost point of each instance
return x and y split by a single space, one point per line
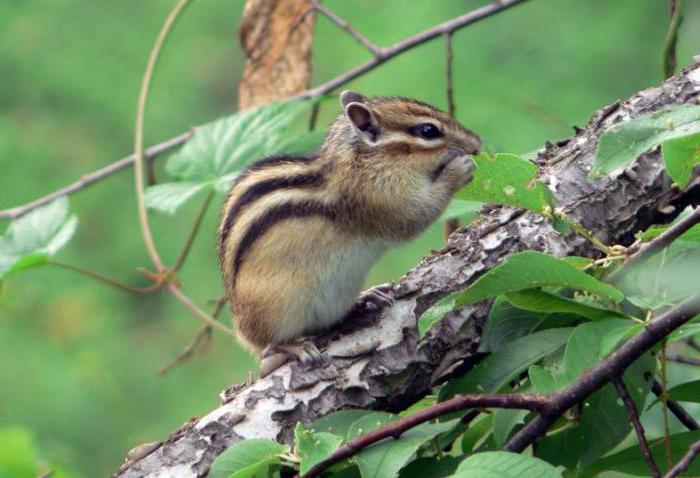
187 302
668 51
139 164
193 232
104 279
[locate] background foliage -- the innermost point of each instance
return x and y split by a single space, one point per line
78 361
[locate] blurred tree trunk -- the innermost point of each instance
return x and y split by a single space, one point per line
276 37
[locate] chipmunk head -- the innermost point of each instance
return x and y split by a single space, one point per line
396 132
402 152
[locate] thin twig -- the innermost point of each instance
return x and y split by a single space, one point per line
104 279
410 43
187 302
91 178
193 232
388 53
668 51
684 462
138 132
449 89
675 408
521 401
344 25
640 251
638 428
202 337
683 359
601 373
664 390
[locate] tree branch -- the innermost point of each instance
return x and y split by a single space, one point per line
638 428
675 408
379 361
684 462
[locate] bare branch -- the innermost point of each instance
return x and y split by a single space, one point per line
685 462
91 178
344 25
679 412
521 401
640 251
638 428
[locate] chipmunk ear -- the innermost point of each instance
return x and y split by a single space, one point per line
348 96
363 120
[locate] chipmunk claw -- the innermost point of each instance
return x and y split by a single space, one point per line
276 355
378 297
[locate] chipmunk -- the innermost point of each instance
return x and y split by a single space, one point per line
299 234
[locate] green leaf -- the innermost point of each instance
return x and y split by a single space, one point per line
530 269
561 448
18 453
631 461
623 143
168 197
461 209
432 467
368 422
313 447
338 422
385 459
504 421
220 150
506 179
434 314
32 239
250 458
505 324
541 301
499 368
503 464
477 431
680 156
543 381
604 423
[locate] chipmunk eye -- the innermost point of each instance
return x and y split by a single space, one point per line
426 131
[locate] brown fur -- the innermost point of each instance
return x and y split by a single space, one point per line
376 190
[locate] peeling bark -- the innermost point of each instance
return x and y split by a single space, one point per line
378 361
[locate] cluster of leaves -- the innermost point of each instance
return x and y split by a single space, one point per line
551 319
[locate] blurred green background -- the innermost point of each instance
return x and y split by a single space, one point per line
79 361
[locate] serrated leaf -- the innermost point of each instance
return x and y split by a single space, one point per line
531 269
631 461
247 459
313 447
506 179
220 150
503 464
434 314
168 197
541 301
35 237
385 459
623 143
499 368
680 156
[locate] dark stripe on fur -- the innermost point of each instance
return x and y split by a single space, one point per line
290 210
258 190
